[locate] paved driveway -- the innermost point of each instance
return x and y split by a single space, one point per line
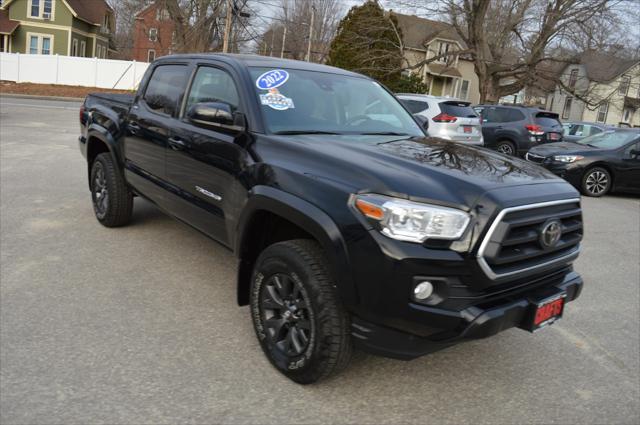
139 324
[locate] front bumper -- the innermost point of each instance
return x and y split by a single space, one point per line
571 172
471 323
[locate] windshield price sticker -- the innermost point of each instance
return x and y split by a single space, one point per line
272 79
276 100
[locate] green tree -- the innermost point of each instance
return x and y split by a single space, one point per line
369 41
409 84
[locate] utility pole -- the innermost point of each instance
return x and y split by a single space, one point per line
313 15
227 28
284 39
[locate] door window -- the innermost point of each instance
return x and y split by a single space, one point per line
632 147
165 89
213 85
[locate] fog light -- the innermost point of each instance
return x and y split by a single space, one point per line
423 290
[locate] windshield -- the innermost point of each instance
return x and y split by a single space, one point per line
610 139
294 101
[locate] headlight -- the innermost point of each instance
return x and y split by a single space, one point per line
412 221
567 158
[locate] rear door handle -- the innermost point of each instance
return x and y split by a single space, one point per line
177 144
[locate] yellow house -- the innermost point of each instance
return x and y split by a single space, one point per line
449 75
610 85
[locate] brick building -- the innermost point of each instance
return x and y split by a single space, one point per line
153 34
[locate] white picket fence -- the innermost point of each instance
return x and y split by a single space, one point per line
71 70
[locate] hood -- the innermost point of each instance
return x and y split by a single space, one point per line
419 168
562 148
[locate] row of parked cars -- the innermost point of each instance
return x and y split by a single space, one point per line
595 158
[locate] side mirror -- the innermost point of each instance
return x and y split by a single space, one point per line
216 114
635 153
423 121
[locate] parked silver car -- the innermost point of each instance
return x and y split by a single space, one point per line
449 118
577 130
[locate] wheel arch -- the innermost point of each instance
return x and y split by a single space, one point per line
268 208
99 140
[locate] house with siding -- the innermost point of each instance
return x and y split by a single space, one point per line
63 27
609 83
450 75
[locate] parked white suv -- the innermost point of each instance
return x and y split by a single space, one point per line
449 118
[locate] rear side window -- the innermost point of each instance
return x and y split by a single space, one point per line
458 109
511 115
415 106
547 120
166 88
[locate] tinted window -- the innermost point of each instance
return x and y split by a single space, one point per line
632 147
577 130
595 130
547 120
415 106
166 87
213 85
511 115
458 109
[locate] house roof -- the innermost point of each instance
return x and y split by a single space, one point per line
7 26
90 11
417 32
603 67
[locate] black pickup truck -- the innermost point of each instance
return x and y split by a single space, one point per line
351 226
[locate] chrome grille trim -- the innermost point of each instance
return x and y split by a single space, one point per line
483 246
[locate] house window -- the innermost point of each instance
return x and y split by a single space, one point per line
33 45
39 44
464 90
443 49
162 14
83 49
602 112
623 88
153 34
41 9
566 111
627 114
151 55
74 47
573 78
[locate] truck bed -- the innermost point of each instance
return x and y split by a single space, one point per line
119 99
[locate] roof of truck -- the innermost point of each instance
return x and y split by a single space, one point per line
264 61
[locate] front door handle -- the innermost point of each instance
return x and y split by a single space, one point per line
177 144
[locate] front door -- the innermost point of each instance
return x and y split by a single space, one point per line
437 84
628 177
148 129
203 162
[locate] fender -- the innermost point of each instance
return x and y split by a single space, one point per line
308 217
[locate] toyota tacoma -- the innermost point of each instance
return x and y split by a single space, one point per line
351 226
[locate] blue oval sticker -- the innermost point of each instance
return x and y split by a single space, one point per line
272 79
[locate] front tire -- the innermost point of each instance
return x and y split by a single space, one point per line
596 182
112 199
297 315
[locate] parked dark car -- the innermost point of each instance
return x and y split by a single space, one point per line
576 130
597 164
351 227
513 130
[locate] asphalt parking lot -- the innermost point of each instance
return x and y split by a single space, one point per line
139 324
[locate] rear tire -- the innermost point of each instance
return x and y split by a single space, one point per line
596 182
506 147
112 199
300 323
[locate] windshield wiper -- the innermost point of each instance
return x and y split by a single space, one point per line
293 132
384 133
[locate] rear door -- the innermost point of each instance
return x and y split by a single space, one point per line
148 129
550 124
466 126
204 162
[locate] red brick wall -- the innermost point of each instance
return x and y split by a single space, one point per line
146 20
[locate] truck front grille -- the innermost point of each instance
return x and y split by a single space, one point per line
514 243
